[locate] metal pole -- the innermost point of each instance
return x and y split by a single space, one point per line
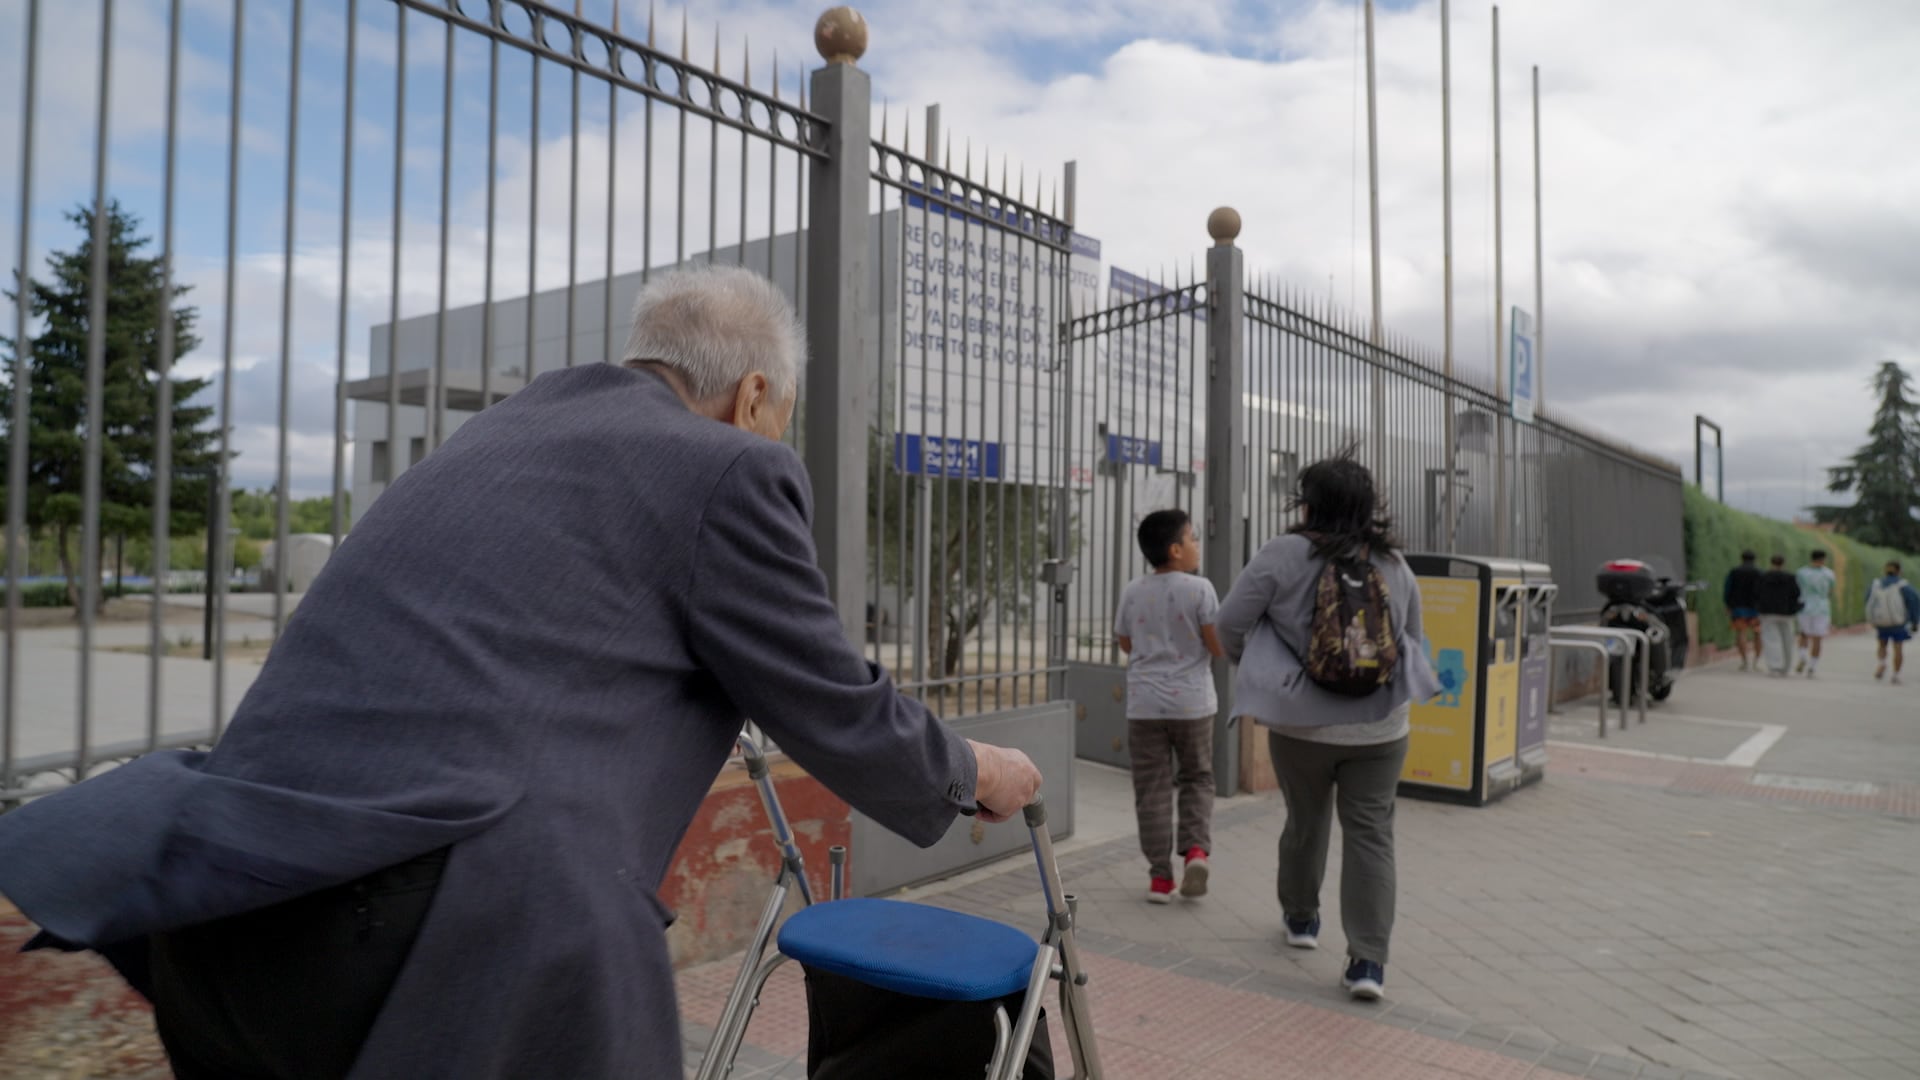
394 446
283 471
214 538
96 399
1539 263
218 550
924 666
1377 425
1446 245
1502 510
838 405
1224 546
18 536
163 404
436 417
339 508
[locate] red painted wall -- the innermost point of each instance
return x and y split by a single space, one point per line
725 867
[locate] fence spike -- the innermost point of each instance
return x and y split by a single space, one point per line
746 62
686 38
886 114
716 49
948 165
1005 165
616 16
652 10
776 74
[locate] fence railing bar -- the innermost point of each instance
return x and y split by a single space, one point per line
436 410
646 167
163 396
746 110
338 525
653 60
96 390
283 453
614 61
954 681
713 163
18 536
573 188
217 539
493 170
533 218
395 447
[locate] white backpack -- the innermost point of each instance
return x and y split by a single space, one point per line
1887 604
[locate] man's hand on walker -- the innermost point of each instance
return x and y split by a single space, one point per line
1006 781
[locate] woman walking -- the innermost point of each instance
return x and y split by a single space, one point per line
1325 624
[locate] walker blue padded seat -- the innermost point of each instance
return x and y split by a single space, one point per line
911 949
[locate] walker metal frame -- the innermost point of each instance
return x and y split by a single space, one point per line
1057 956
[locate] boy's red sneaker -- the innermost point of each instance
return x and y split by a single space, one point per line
1161 891
1194 883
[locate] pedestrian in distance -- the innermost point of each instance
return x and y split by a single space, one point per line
1165 625
1893 608
1778 600
1817 582
1325 624
1743 608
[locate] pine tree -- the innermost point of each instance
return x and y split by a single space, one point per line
1883 475
57 373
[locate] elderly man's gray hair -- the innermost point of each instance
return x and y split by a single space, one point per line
715 326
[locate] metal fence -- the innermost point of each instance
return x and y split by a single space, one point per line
969 455
1309 382
981 431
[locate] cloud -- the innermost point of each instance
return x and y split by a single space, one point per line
1732 210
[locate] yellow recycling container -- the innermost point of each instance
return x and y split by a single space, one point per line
1466 744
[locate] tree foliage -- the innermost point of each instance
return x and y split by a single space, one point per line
136 305
1883 475
988 541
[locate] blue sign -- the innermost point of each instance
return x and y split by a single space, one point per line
1523 384
1130 451
931 455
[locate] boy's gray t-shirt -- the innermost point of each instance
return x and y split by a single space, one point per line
1169 671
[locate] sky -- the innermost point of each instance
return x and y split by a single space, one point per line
1731 196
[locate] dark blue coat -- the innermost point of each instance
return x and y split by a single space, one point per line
537 647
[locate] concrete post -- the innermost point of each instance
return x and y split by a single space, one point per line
839 410
1224 534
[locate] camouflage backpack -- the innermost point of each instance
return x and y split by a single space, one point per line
1353 650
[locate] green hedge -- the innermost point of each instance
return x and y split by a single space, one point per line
1717 534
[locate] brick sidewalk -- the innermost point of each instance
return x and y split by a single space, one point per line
1156 1024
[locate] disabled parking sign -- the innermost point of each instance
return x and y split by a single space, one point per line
1523 382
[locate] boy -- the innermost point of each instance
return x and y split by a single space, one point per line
1742 596
1165 626
1817 582
1893 607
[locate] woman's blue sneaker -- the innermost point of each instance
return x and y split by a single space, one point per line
1303 933
1365 980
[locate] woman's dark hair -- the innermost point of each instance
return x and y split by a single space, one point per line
1159 531
1343 511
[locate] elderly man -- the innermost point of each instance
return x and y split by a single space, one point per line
429 844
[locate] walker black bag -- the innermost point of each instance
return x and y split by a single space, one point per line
860 1032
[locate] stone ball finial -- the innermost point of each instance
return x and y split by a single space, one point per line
841 36
1224 225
